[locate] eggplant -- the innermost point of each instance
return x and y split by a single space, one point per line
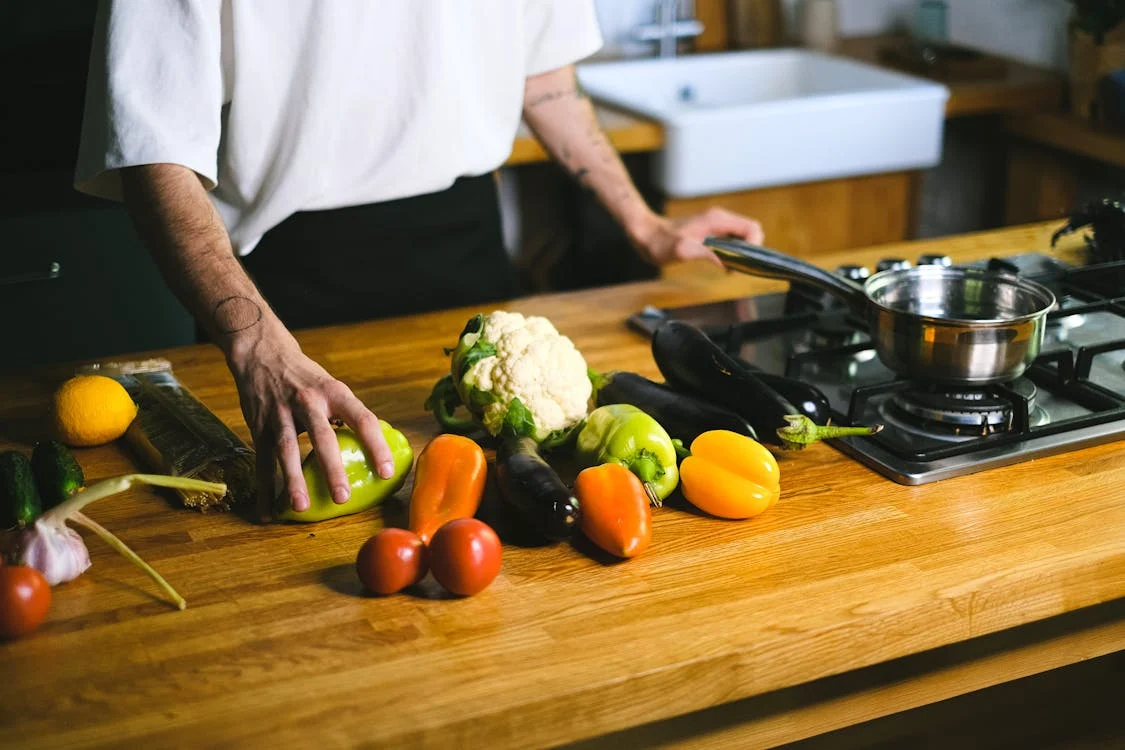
693 364
807 398
684 417
531 487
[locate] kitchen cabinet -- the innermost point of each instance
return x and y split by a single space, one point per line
107 298
1053 165
816 218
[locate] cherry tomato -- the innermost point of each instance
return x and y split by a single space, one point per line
25 598
465 556
391 560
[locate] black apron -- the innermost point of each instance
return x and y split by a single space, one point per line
404 256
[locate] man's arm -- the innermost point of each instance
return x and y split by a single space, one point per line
281 390
563 119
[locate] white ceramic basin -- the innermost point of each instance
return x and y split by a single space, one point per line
741 120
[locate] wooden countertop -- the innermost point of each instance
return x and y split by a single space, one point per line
279 648
1008 86
1070 134
628 133
1003 86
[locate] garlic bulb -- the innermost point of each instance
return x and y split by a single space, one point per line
55 550
58 552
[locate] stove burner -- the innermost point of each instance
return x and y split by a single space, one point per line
971 412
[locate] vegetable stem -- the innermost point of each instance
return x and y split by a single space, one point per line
652 496
597 380
443 401
123 549
802 431
107 487
645 467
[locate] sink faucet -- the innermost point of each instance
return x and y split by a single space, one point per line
669 27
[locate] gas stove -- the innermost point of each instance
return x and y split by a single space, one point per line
1072 397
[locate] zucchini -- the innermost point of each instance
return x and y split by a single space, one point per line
57 472
684 417
531 487
19 499
694 364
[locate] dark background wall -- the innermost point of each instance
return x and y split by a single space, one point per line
108 298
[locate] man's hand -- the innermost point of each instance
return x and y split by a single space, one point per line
563 119
661 241
282 391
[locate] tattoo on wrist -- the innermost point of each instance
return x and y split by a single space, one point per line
551 96
236 313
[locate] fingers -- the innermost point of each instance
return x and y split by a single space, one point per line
695 250
722 222
314 413
289 453
370 433
264 469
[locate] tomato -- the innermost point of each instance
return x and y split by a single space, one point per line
391 560
465 556
25 598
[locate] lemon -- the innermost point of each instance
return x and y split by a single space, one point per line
91 410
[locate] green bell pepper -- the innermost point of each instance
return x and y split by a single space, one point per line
368 488
623 434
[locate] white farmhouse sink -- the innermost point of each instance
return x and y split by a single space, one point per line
741 120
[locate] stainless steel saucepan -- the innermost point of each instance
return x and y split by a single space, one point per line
955 326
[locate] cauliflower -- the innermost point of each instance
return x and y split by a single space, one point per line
517 376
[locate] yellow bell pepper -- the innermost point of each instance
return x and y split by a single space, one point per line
730 475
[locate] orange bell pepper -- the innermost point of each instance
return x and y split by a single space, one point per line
615 512
448 484
730 475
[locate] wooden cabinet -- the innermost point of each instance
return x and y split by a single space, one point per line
820 217
107 297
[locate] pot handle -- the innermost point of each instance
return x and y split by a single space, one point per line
760 261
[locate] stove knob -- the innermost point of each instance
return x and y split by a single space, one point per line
934 259
853 272
892 264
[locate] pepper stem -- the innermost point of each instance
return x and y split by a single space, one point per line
802 431
645 467
109 538
652 496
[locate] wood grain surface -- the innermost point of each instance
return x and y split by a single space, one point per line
1070 135
1006 86
278 645
814 219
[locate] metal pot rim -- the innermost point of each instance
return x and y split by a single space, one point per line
1044 297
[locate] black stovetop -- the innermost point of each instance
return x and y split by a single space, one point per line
1074 394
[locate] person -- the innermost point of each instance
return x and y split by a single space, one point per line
309 162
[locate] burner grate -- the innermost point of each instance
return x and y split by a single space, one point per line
1107 407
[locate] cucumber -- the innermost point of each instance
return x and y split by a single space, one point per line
19 499
57 472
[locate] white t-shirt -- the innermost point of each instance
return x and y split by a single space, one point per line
316 104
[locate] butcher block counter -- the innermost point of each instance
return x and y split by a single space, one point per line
853 598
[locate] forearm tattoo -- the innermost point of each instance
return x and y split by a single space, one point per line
551 96
235 314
